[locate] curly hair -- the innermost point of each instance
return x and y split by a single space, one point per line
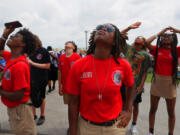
74 44
28 39
120 44
173 53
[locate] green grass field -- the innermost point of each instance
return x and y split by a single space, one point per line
149 77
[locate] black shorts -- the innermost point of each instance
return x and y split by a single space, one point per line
138 98
53 74
39 86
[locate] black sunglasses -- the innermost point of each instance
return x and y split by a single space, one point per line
109 28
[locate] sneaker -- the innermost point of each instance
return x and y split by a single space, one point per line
150 134
133 130
41 120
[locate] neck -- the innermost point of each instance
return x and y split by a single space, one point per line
68 54
102 52
137 48
16 53
166 46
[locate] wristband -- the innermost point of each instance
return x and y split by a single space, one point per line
3 38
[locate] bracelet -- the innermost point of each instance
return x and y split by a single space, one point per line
3 38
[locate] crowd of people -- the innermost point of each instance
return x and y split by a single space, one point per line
102 89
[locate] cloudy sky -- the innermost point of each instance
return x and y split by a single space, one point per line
58 21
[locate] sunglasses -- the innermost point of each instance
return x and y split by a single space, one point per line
109 28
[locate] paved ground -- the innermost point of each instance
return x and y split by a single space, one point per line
57 123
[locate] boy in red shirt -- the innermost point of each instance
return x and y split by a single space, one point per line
65 62
15 89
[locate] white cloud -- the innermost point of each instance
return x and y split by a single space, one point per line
57 21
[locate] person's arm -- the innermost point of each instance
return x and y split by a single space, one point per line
174 30
42 66
4 37
132 26
60 83
55 57
13 96
152 38
125 115
73 112
140 87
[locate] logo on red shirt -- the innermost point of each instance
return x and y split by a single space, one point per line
116 77
86 75
39 56
7 75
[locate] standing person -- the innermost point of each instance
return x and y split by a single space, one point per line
94 86
140 62
15 89
65 62
53 71
165 80
40 63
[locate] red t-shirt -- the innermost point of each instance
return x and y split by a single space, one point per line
83 82
164 61
65 64
16 77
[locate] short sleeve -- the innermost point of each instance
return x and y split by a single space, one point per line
6 55
73 83
128 79
154 51
20 76
178 51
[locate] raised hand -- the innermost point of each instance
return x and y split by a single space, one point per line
174 30
135 25
8 31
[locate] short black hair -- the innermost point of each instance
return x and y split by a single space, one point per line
120 44
74 44
29 40
49 48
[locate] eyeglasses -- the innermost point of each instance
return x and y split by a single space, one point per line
109 28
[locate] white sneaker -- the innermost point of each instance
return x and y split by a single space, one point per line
133 130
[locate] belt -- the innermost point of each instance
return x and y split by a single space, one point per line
107 124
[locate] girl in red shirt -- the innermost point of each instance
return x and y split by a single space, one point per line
164 81
94 86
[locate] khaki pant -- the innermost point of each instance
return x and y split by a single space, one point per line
65 97
85 128
21 120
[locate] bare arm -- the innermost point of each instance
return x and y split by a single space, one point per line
4 37
13 96
140 87
172 29
125 115
42 66
73 112
60 83
55 57
132 26
152 38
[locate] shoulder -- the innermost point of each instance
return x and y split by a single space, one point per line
83 61
123 62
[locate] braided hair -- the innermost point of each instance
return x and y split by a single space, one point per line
173 54
120 43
